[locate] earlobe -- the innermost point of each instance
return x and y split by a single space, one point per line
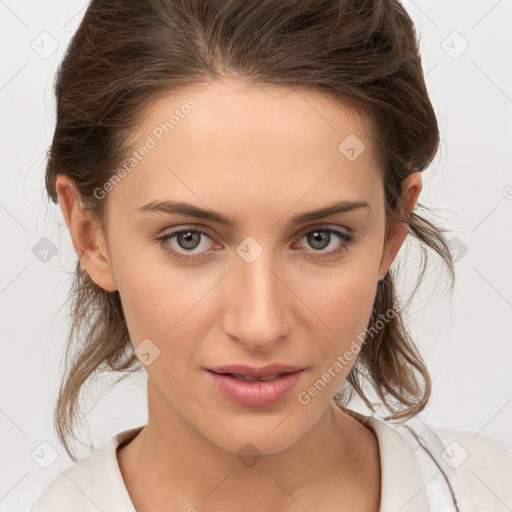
398 231
86 234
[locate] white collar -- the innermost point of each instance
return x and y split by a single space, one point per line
411 480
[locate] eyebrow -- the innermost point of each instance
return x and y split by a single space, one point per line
189 210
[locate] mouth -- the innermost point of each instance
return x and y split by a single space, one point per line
246 377
255 387
264 373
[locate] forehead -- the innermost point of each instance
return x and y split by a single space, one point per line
299 117
228 138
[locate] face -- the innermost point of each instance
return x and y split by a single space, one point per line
271 285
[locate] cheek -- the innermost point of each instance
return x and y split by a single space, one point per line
155 305
343 304
167 304
163 301
343 296
153 294
354 302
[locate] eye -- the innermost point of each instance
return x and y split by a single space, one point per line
320 238
191 246
187 240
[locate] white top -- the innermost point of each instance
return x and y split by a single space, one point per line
473 470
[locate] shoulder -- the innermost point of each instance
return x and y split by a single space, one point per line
484 463
456 467
93 483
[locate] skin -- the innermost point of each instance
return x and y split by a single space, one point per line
261 156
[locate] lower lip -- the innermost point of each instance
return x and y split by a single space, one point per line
255 393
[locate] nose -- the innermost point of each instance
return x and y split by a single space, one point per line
259 303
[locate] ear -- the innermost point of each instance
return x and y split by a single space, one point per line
86 234
397 232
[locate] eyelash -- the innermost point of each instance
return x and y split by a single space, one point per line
178 255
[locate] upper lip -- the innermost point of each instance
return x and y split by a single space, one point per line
248 371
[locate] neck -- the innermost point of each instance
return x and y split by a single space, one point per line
332 459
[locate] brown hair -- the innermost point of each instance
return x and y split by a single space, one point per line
126 54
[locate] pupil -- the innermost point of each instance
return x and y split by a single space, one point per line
319 237
189 242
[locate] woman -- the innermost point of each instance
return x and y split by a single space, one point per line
238 178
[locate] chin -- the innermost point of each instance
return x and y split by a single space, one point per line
255 443
262 434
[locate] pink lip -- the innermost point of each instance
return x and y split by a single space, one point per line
255 393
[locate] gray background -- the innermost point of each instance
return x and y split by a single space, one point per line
465 337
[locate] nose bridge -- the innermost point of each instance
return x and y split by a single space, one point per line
259 304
